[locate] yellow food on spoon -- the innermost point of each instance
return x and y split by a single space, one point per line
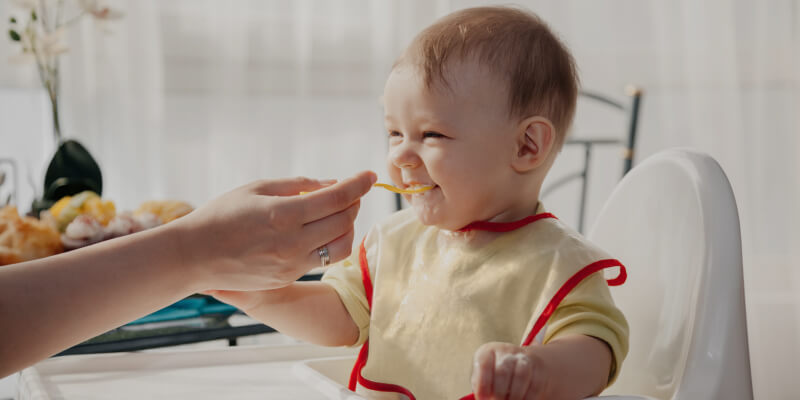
403 191
397 189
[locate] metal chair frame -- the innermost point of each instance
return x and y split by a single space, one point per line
629 142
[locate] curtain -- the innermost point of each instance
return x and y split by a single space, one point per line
186 99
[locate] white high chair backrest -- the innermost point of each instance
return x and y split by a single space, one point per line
673 222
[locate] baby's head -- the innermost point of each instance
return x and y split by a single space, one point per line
478 106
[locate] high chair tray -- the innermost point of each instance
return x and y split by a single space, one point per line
247 372
330 376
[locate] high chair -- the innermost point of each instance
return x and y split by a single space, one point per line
673 222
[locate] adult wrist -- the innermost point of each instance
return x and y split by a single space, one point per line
185 255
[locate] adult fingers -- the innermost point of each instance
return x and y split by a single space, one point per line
522 378
338 249
337 197
288 186
327 229
483 372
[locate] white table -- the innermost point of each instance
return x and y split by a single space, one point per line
286 371
257 372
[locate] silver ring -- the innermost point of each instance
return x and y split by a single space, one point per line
324 257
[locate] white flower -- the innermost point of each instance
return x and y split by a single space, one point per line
51 44
44 44
99 11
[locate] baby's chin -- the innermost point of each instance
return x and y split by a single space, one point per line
425 214
435 217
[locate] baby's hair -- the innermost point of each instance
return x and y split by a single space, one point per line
539 70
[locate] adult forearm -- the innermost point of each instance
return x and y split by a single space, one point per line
310 311
50 304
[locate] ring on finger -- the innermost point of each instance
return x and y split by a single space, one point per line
324 256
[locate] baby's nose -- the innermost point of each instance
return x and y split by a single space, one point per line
404 156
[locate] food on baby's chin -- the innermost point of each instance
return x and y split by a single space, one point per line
26 238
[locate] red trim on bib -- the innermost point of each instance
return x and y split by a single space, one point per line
504 226
362 258
571 283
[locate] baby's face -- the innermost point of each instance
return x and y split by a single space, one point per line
460 140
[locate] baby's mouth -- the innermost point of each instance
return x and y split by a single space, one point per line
419 188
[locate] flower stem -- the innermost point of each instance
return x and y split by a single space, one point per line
56 124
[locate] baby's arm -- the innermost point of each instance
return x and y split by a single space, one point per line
571 367
310 311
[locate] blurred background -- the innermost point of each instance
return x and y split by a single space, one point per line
186 99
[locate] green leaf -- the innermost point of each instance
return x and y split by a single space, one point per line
33 15
14 35
13 20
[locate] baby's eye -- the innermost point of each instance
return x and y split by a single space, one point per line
431 134
395 134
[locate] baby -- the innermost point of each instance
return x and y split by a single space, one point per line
467 290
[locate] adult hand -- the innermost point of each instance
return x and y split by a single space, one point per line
505 371
258 236
265 236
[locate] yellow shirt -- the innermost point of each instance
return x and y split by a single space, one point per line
433 307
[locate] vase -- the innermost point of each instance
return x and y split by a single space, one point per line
71 171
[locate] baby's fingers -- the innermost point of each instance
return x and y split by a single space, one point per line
483 372
523 377
504 372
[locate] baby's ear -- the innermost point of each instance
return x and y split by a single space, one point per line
534 143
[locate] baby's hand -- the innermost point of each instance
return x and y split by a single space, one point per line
505 371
